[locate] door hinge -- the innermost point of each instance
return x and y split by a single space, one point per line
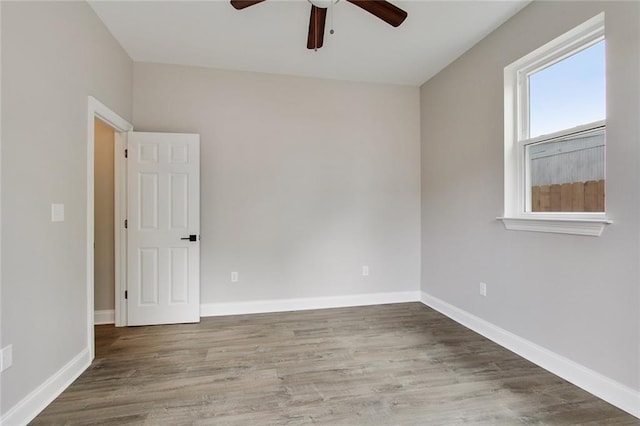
126 224
126 294
126 153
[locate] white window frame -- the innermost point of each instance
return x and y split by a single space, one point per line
516 137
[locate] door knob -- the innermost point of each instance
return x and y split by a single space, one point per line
191 237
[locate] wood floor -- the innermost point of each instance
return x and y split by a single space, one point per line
400 364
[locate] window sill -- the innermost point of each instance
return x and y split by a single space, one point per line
590 227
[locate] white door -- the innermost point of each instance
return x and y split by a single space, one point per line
163 229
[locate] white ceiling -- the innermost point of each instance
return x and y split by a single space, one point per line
271 36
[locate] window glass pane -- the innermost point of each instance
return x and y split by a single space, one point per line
568 93
567 175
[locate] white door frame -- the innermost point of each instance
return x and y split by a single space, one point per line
97 109
120 233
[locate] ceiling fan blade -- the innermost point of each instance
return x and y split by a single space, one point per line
384 10
241 4
316 27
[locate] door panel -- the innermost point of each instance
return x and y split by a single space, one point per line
148 201
163 268
148 276
179 201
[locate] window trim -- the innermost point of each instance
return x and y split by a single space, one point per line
516 123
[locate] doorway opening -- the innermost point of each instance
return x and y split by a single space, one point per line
104 225
108 119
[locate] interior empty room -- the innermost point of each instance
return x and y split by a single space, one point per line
320 211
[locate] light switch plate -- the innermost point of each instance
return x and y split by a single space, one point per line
6 357
57 212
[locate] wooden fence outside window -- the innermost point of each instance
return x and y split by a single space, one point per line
569 197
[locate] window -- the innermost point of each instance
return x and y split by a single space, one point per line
555 135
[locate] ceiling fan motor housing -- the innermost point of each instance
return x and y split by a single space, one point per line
323 4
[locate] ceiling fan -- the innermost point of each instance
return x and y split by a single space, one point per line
382 9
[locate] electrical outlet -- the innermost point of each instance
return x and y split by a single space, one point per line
483 289
365 271
6 357
234 277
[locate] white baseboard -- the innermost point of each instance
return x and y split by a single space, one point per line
107 316
613 392
302 304
31 405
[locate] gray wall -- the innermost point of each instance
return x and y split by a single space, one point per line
577 296
53 56
303 181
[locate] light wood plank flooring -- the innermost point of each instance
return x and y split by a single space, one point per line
399 364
